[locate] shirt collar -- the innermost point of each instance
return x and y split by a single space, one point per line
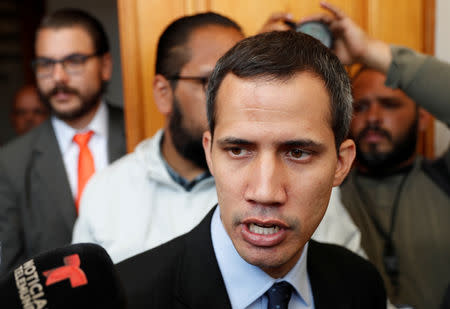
246 283
65 133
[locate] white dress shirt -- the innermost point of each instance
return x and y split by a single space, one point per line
70 150
246 284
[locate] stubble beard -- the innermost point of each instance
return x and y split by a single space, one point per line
188 144
88 102
377 162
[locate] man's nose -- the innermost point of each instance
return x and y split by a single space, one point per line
29 115
59 73
374 112
266 181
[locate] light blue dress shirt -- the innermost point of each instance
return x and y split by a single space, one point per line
246 283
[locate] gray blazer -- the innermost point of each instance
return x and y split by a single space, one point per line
37 210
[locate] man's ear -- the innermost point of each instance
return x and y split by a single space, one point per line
424 119
346 155
106 66
163 94
207 148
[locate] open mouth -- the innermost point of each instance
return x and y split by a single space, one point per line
264 234
263 230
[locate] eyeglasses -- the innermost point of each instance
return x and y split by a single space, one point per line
73 64
204 80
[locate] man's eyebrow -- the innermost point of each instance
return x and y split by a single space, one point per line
303 143
233 141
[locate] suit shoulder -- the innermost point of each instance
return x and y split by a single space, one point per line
20 144
114 106
340 256
115 110
346 273
17 153
158 265
346 264
149 278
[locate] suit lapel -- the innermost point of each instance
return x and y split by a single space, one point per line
116 135
48 170
200 283
325 284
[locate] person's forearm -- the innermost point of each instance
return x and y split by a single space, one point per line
423 78
378 56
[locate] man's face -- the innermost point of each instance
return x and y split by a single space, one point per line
188 120
71 96
274 161
28 111
384 122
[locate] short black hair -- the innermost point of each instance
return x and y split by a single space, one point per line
69 17
280 55
172 54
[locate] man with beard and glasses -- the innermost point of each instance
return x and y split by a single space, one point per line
163 189
400 202
43 173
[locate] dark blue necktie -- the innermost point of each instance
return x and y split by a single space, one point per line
279 295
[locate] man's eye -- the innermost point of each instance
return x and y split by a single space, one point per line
390 103
360 107
44 63
236 151
75 60
298 154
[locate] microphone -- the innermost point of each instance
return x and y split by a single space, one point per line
77 276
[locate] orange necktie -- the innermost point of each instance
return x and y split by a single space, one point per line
86 166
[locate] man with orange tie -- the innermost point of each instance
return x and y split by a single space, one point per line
43 173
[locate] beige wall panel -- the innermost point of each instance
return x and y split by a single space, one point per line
141 23
251 14
153 17
129 51
400 21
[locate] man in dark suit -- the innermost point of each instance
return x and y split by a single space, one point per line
43 173
279 107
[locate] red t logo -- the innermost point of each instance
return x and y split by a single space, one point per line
71 271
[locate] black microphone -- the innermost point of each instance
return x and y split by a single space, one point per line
77 276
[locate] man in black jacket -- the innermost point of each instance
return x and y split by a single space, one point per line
279 108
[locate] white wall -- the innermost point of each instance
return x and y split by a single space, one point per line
442 51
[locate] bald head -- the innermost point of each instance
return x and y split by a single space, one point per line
27 110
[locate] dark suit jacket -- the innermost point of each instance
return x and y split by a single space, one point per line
37 210
184 273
